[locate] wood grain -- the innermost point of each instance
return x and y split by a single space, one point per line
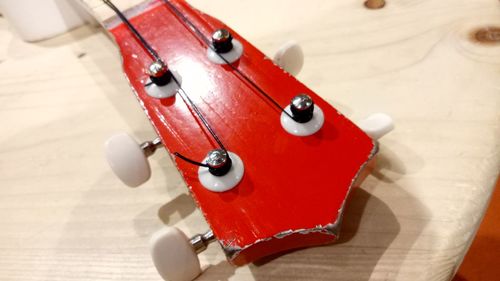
65 217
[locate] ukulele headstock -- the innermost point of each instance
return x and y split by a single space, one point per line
269 162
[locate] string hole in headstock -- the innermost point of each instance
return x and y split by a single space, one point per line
224 49
302 117
302 107
159 73
164 90
222 41
228 168
219 162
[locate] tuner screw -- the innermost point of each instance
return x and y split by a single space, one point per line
219 163
149 147
222 41
302 107
200 242
159 73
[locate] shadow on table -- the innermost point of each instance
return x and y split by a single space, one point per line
353 257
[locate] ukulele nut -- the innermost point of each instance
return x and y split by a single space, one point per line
159 73
219 163
222 41
302 107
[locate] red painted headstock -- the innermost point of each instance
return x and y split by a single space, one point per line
294 189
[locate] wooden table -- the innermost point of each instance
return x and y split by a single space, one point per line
64 216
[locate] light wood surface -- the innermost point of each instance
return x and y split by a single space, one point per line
64 216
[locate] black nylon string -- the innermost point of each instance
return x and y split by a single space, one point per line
181 91
190 161
134 31
186 99
196 30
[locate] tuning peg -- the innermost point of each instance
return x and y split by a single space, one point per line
302 108
222 41
128 159
159 73
175 256
377 125
290 57
302 117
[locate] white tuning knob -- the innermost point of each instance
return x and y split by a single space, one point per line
290 57
377 125
173 255
127 159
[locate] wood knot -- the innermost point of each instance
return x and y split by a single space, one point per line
374 4
487 35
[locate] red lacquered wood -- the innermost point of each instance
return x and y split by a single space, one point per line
294 188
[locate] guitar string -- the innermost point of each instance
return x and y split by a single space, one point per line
200 34
181 91
132 28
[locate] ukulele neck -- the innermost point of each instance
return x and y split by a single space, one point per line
103 14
